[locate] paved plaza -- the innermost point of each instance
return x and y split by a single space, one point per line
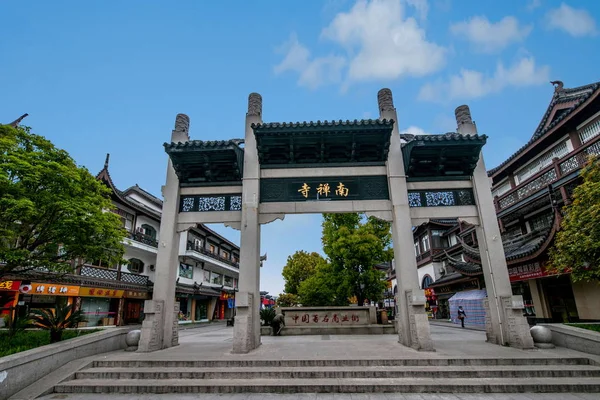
213 342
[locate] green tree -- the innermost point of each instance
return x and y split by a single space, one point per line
299 267
51 211
323 288
354 245
577 244
287 300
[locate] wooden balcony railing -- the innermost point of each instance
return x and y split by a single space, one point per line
553 172
202 250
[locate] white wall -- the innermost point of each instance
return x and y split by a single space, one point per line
427 269
142 200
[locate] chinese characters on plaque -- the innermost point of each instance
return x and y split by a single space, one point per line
325 319
323 190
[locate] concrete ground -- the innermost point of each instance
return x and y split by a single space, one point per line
214 341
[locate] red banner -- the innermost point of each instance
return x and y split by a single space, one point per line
10 285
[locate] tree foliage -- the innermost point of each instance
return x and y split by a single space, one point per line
354 245
287 300
51 210
577 244
323 288
300 266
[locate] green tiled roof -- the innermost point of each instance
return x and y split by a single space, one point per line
446 156
313 144
198 162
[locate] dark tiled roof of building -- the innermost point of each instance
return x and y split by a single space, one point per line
465 268
518 247
286 126
450 136
197 289
204 144
578 95
449 278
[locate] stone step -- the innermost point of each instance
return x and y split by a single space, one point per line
335 385
505 371
341 362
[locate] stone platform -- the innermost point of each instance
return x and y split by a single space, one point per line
203 363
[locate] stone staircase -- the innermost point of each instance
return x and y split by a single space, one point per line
338 376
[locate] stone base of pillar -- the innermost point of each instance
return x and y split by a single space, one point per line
244 337
515 327
420 334
152 327
152 336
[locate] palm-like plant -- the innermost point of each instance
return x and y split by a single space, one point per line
56 320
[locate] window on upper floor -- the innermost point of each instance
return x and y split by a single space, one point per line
135 265
236 259
438 240
589 131
500 190
126 219
212 249
425 243
541 221
541 162
417 251
228 281
452 240
149 231
216 279
225 254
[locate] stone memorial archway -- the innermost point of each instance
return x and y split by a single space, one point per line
329 167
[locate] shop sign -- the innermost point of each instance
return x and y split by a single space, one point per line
99 292
527 271
225 296
10 285
52 289
135 294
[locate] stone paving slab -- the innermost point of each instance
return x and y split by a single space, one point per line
216 344
328 396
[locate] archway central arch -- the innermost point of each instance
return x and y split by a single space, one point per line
329 167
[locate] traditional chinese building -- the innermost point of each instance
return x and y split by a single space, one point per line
531 187
206 278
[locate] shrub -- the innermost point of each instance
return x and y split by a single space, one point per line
56 321
267 315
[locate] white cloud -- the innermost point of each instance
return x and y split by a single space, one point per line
469 84
414 130
379 40
313 72
575 21
489 37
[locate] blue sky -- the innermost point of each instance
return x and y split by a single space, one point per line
110 76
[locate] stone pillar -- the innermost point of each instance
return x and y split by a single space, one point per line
159 329
505 322
246 330
413 326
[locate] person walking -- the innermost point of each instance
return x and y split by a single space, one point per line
461 316
277 324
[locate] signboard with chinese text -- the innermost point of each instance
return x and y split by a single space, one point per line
100 292
53 289
324 316
10 285
528 271
135 294
324 189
